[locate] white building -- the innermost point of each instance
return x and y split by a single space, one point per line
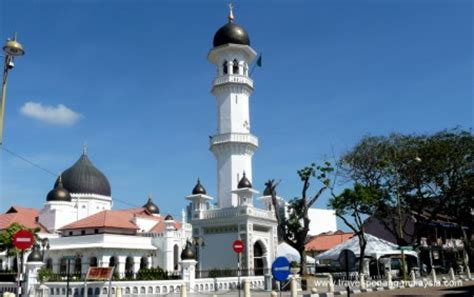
233 146
78 221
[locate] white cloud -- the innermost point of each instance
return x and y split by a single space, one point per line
58 115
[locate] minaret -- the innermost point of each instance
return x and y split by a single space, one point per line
233 145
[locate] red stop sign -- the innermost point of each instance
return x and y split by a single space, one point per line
23 239
238 246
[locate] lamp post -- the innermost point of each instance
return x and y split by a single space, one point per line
12 49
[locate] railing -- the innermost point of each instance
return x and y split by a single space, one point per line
8 287
150 288
124 276
240 79
234 137
237 211
227 272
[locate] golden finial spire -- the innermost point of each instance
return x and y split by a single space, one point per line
84 149
230 17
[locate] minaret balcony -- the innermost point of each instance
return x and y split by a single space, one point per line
233 137
232 79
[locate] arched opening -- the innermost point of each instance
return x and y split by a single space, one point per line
143 262
49 263
93 262
78 266
259 262
235 67
176 256
113 262
63 266
129 267
224 67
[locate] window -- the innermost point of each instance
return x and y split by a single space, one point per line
78 266
93 262
70 233
224 67
83 232
49 263
96 231
235 67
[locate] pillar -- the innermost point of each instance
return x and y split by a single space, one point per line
188 273
31 278
121 266
136 264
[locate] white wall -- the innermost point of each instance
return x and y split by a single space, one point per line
322 220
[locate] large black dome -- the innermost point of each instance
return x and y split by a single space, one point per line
231 33
84 178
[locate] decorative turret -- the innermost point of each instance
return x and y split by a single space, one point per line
199 189
59 193
199 200
188 252
35 255
245 192
151 207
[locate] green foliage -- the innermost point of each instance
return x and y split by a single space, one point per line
221 272
44 274
294 264
362 200
6 238
152 274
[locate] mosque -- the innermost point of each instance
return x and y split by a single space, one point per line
77 218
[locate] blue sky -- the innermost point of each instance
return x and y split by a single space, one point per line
136 74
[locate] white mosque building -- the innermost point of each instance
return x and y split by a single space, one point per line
78 220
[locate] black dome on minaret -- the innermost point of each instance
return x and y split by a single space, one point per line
84 178
231 33
59 193
244 183
199 189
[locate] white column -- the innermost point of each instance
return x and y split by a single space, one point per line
31 279
121 265
136 264
188 273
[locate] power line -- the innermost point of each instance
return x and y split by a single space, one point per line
28 161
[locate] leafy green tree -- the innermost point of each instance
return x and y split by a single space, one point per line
356 203
423 176
294 228
6 239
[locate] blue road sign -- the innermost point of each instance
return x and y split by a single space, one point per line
281 269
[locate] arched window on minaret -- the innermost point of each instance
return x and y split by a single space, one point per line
224 67
235 67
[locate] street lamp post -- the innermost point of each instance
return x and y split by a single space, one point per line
12 49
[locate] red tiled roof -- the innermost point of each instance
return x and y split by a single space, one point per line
160 226
326 241
24 216
120 219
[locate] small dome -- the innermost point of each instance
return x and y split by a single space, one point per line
199 189
244 183
35 255
169 218
59 193
151 207
84 178
231 33
188 252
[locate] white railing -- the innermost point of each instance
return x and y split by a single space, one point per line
232 79
221 213
150 288
234 137
8 287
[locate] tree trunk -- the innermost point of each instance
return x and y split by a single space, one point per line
362 245
302 262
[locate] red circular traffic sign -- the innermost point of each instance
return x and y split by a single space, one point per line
238 246
23 239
